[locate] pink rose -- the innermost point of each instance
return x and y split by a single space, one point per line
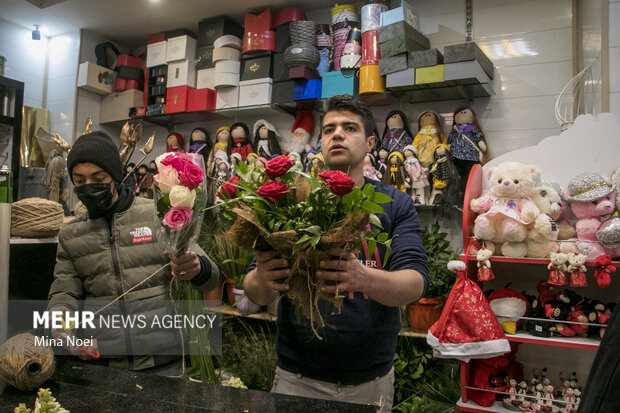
273 190
177 218
166 178
278 166
176 162
191 176
339 182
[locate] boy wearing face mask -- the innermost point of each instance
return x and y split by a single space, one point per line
112 248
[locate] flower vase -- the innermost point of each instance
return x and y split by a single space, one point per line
244 304
423 314
213 298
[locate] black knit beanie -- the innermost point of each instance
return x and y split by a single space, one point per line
96 147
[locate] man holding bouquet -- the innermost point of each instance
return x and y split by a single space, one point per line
110 249
353 361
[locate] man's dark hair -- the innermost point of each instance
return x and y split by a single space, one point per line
352 104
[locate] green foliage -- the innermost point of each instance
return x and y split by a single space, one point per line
249 352
439 254
46 404
231 259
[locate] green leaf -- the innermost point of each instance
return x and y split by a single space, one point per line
374 220
371 206
372 246
381 198
369 191
303 239
315 240
315 230
382 237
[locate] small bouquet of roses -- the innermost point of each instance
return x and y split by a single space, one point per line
306 219
180 197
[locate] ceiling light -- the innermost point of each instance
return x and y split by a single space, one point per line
36 33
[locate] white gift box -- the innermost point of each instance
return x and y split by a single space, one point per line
95 78
156 54
205 78
255 91
181 48
181 73
227 97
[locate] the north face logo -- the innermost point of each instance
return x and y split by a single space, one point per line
141 234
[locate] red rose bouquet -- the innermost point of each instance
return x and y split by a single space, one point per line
306 219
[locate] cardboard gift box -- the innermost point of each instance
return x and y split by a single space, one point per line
179 32
115 106
255 92
176 99
228 40
201 99
127 60
406 12
282 92
225 53
204 57
129 72
227 97
227 66
181 48
393 64
212 28
401 80
465 52
156 71
181 73
126 84
399 38
422 58
283 37
157 90
253 42
339 83
307 89
156 37
226 79
205 79
156 54
95 78
287 15
429 74
256 67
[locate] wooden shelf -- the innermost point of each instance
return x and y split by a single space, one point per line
18 240
570 342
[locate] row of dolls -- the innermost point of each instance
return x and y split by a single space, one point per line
522 216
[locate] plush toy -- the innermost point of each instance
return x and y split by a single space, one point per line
369 168
544 230
565 229
266 139
430 134
417 174
309 156
505 211
484 265
239 142
299 140
199 143
466 141
577 270
382 163
396 134
445 178
153 167
615 180
557 268
219 150
396 175
174 142
509 306
603 271
592 201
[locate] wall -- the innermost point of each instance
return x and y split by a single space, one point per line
614 57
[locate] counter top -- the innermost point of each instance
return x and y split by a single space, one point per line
84 387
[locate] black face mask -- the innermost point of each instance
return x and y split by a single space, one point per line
97 198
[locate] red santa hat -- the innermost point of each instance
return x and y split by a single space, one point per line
467 328
509 306
303 121
179 138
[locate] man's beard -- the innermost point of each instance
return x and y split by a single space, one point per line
294 144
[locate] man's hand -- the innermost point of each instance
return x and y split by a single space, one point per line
272 270
186 266
347 273
60 334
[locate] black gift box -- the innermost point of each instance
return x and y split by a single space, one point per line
179 32
282 92
210 29
157 90
161 70
280 70
156 109
256 67
204 57
283 37
131 73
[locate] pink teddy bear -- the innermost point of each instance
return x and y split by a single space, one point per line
593 200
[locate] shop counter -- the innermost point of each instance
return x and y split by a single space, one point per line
85 387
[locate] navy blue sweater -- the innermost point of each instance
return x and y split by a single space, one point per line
359 342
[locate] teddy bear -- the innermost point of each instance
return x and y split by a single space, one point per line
505 211
565 229
544 231
557 268
577 269
593 200
484 265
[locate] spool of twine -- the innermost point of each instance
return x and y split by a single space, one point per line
36 218
24 365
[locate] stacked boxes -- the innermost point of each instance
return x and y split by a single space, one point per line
156 90
226 57
181 77
130 73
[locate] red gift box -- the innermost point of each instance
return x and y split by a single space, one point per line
258 23
176 99
156 37
302 72
126 60
370 47
125 84
201 99
290 14
259 41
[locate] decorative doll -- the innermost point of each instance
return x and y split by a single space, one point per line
234 159
199 143
265 139
296 158
396 134
557 268
309 156
153 167
369 168
299 140
131 171
417 174
174 142
223 172
219 150
484 264
430 134
445 177
144 187
382 162
238 141
395 176
260 163
577 269
467 142
317 164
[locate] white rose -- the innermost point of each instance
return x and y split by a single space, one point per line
162 157
181 196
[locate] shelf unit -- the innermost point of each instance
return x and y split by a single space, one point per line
471 406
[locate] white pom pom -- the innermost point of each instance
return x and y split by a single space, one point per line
456 265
